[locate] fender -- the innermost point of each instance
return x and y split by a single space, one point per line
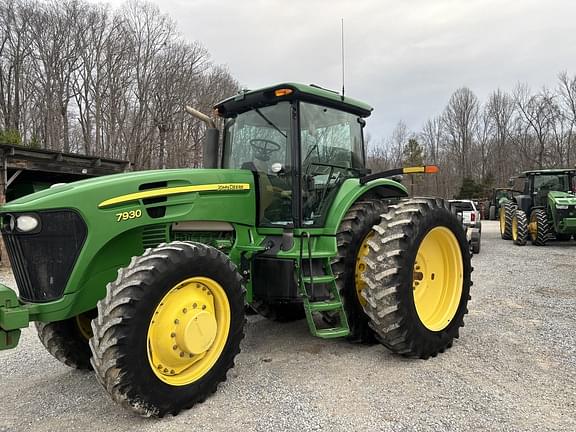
351 190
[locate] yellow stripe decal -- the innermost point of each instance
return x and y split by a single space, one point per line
153 193
413 170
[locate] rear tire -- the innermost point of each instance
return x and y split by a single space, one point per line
178 306
519 228
279 312
540 229
492 213
419 323
354 228
67 340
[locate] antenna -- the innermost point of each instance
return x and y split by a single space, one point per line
342 44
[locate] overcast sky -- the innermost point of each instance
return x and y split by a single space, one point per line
404 57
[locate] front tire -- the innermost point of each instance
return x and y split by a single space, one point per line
418 278
169 328
506 213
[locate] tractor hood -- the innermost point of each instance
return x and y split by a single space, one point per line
203 194
562 198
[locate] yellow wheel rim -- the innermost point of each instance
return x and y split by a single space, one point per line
437 278
502 220
514 228
361 268
188 331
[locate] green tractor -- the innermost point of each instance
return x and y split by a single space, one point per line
498 197
144 277
543 209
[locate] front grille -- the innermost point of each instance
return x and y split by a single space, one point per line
43 261
569 212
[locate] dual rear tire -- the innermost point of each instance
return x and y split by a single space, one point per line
415 283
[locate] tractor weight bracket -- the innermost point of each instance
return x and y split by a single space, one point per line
13 315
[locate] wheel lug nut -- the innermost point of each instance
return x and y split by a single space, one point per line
172 372
165 370
181 354
194 305
176 321
184 310
175 347
172 334
203 307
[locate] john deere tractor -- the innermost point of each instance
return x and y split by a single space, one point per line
544 207
144 277
497 198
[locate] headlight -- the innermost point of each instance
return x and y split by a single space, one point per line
27 223
561 207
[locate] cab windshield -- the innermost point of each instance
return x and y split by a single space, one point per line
259 140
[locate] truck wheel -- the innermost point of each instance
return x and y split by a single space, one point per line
539 228
506 212
169 328
475 242
418 278
280 312
354 233
492 213
67 340
519 227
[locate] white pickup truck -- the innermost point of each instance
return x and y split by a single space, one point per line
470 220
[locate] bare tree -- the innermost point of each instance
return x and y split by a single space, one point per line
460 118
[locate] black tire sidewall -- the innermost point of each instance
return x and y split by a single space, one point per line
139 375
439 217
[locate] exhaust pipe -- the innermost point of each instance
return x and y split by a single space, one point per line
210 145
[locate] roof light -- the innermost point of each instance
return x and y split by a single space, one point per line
283 92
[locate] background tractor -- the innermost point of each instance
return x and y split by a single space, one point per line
499 196
543 209
144 276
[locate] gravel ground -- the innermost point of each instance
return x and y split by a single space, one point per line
514 369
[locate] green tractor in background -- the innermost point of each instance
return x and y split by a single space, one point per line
498 197
144 276
543 209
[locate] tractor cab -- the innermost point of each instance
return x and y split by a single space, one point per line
301 143
536 185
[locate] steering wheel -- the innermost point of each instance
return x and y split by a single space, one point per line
264 148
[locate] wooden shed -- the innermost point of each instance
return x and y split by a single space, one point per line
25 170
